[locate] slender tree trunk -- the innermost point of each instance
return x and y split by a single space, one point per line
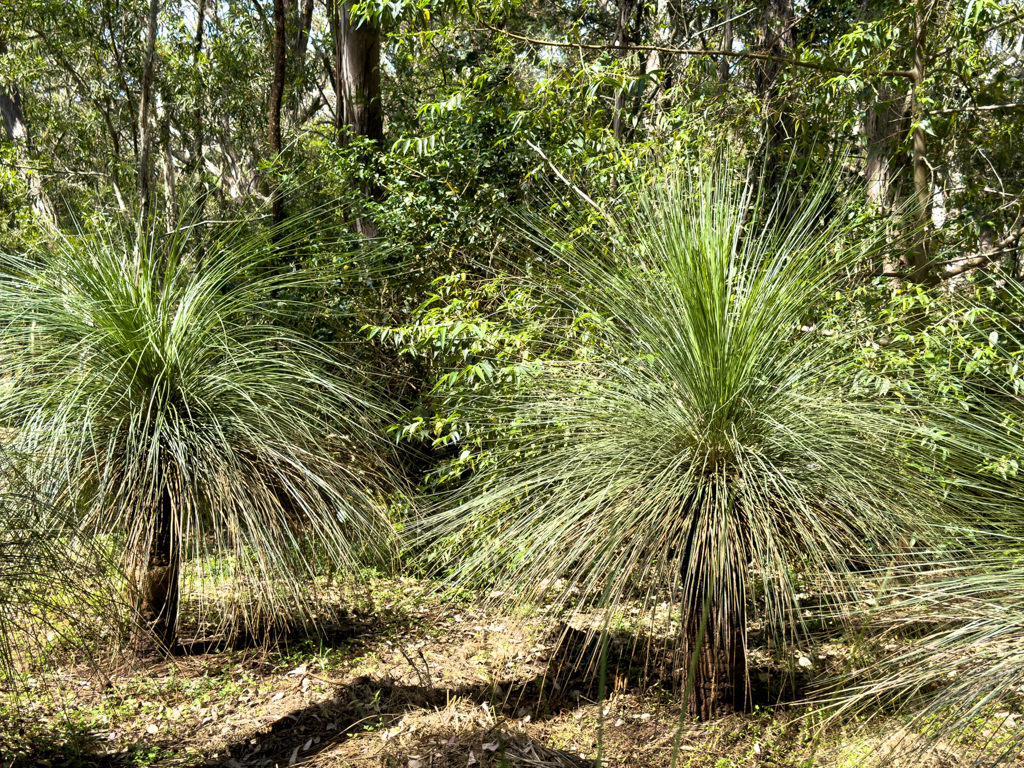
359 111
17 133
170 173
198 117
276 99
664 27
160 595
335 69
145 118
623 40
880 131
885 125
661 34
779 40
641 83
121 77
723 65
919 256
303 27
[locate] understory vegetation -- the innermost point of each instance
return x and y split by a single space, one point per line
430 384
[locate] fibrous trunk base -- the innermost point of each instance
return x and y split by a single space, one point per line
715 656
719 681
159 592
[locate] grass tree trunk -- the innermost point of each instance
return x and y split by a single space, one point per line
713 628
160 594
714 657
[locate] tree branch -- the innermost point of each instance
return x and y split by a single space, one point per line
701 52
583 195
986 108
1000 247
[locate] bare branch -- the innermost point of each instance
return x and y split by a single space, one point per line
986 108
752 55
583 195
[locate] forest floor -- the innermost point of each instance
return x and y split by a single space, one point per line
415 679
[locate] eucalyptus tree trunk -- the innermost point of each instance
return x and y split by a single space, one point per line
16 132
779 40
885 167
881 131
623 39
145 119
661 37
276 100
919 256
170 173
197 116
303 27
723 64
358 109
360 95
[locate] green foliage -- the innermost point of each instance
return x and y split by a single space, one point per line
454 173
962 677
68 741
472 337
924 347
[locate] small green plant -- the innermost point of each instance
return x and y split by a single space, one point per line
68 740
146 756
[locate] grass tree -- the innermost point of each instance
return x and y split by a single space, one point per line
163 388
708 439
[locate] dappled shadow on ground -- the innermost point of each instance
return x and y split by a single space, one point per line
635 661
464 718
422 706
408 679
443 744
427 699
211 637
26 739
